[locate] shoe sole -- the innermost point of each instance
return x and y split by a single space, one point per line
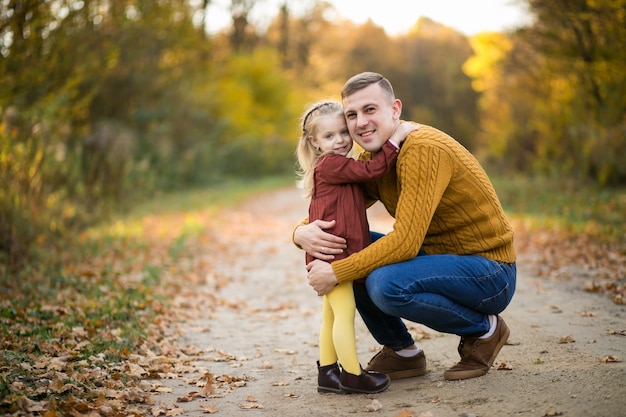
408 373
455 376
348 390
324 390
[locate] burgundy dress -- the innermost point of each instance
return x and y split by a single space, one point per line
337 195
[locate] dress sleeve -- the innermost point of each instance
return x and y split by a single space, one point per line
338 169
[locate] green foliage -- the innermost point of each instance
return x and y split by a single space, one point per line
259 109
104 106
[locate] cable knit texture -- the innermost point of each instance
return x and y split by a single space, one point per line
443 203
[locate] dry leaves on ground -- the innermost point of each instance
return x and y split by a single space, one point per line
560 255
109 321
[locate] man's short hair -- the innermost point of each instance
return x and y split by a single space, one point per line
366 79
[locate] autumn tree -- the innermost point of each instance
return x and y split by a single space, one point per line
556 103
424 66
507 134
94 102
430 80
301 39
242 35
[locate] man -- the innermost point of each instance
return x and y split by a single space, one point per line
448 263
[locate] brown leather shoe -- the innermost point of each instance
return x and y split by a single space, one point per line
328 378
477 355
368 382
395 366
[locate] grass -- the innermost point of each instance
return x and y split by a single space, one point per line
567 206
228 193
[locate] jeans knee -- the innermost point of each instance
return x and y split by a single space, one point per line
381 291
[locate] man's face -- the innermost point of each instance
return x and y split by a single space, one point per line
372 116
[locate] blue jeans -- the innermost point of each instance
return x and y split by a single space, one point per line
448 293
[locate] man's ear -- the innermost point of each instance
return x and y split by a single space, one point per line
396 107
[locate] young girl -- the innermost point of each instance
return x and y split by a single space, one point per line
330 177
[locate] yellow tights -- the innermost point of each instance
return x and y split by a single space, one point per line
337 340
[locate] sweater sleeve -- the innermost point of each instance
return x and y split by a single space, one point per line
424 172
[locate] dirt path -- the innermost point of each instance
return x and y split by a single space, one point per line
260 342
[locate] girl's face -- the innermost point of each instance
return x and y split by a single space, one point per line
331 135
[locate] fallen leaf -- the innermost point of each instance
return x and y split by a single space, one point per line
555 309
504 367
187 398
566 339
375 405
79 332
551 412
610 358
592 286
135 370
209 409
208 388
157 411
224 356
286 351
34 406
250 406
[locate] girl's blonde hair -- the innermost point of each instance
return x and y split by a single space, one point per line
306 153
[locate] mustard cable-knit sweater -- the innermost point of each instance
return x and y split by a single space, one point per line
443 203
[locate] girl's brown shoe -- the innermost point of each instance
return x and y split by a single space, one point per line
328 378
369 382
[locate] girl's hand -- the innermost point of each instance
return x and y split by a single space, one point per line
321 277
402 131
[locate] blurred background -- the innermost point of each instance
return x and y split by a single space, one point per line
104 103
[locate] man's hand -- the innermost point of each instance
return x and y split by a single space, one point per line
321 277
318 243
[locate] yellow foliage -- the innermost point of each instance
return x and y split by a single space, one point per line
484 68
490 48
